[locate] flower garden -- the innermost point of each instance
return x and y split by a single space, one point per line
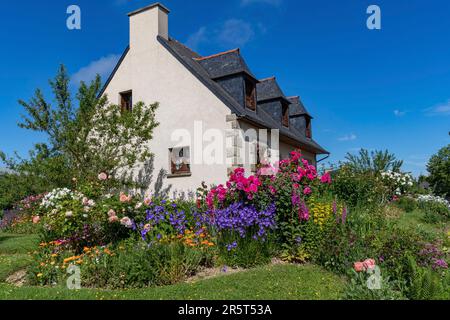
346 224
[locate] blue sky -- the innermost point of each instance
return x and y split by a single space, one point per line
376 89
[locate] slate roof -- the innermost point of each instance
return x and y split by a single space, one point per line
268 89
193 62
206 69
297 108
224 64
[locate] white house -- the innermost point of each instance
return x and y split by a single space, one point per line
204 100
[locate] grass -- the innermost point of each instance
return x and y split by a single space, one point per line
415 220
276 282
10 264
13 253
281 282
17 244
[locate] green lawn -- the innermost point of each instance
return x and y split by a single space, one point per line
414 220
17 244
267 283
277 282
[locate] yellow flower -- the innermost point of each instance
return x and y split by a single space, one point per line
40 275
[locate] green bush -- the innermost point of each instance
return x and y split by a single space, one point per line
131 264
139 266
407 204
356 188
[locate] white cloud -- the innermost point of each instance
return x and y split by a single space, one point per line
442 109
103 66
198 37
399 113
348 137
232 33
275 3
236 33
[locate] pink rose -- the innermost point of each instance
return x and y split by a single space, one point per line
126 222
36 219
307 191
359 267
113 219
369 264
124 197
103 176
111 213
147 201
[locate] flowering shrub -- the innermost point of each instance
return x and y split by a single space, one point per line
358 188
436 209
54 199
397 183
423 199
432 256
129 264
242 232
165 220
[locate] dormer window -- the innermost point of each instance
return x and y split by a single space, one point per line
285 115
126 101
250 95
308 128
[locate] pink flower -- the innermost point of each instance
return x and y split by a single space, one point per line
295 156
326 178
36 219
272 190
359 267
307 191
111 213
103 176
124 198
147 201
303 212
113 219
369 264
126 222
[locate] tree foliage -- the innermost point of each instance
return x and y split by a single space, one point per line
439 169
375 161
85 136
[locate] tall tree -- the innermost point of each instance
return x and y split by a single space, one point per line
375 161
84 138
439 169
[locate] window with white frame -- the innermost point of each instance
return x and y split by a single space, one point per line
180 160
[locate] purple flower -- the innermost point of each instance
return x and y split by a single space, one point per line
232 246
244 220
344 215
440 264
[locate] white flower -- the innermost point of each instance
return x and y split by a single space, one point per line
139 205
69 214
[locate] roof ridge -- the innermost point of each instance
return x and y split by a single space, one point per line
218 54
268 79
